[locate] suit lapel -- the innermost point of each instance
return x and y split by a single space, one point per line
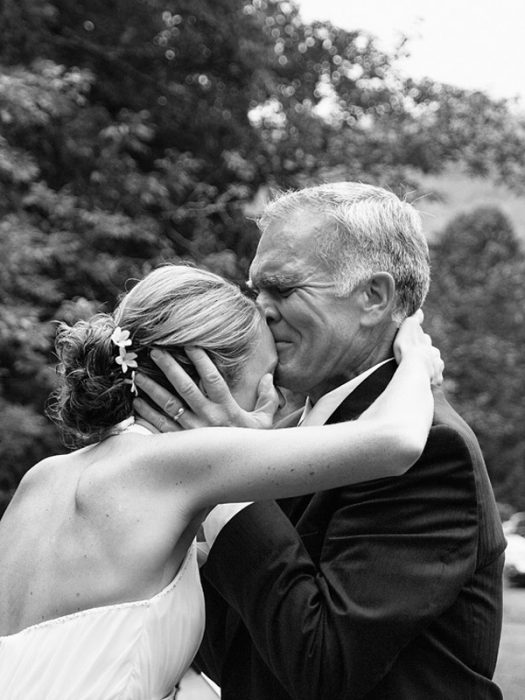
364 395
352 407
307 512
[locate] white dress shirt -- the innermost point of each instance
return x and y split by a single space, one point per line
319 413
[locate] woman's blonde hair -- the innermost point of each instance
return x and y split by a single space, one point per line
172 307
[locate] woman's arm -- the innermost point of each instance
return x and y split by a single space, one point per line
214 465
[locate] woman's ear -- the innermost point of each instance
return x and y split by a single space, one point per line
378 298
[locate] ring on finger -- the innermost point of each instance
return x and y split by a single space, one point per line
178 414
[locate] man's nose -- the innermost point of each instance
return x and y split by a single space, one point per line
268 306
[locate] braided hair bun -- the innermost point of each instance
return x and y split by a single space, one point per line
172 307
94 394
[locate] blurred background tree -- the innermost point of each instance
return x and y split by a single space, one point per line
476 308
134 132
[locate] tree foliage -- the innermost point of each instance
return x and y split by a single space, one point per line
138 131
476 311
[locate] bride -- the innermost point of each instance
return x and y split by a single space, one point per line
99 587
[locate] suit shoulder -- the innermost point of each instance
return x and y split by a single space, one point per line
451 435
447 423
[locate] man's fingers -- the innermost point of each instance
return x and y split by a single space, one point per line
166 402
215 406
267 399
213 382
160 421
183 384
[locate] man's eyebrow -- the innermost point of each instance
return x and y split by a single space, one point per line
275 279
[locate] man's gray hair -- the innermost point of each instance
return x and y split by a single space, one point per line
374 231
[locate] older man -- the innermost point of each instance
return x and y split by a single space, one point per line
386 590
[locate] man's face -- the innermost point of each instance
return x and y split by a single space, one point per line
316 333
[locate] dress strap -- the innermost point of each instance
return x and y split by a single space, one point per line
136 428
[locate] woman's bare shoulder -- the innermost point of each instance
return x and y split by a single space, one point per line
128 470
42 472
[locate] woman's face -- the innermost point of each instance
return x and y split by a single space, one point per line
262 361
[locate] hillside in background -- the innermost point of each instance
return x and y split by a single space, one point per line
451 193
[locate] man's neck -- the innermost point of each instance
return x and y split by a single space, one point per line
375 355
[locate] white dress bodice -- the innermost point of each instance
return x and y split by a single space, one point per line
126 651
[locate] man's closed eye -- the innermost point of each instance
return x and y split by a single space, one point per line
283 292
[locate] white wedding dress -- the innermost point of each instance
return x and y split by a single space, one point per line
127 651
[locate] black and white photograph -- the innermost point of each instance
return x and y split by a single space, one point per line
262 350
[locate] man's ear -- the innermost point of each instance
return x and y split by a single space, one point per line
377 298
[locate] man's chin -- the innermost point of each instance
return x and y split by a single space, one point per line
286 377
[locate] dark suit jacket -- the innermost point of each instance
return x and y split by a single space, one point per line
391 591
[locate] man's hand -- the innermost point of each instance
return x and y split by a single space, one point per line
190 407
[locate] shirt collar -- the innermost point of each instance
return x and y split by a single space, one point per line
319 413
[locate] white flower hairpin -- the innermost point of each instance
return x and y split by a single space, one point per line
126 359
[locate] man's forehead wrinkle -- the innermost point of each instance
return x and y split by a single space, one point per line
272 265
310 224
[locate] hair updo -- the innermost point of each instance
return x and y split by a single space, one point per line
172 307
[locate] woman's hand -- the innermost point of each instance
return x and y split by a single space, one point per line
412 340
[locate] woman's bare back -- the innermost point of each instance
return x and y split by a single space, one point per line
76 537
